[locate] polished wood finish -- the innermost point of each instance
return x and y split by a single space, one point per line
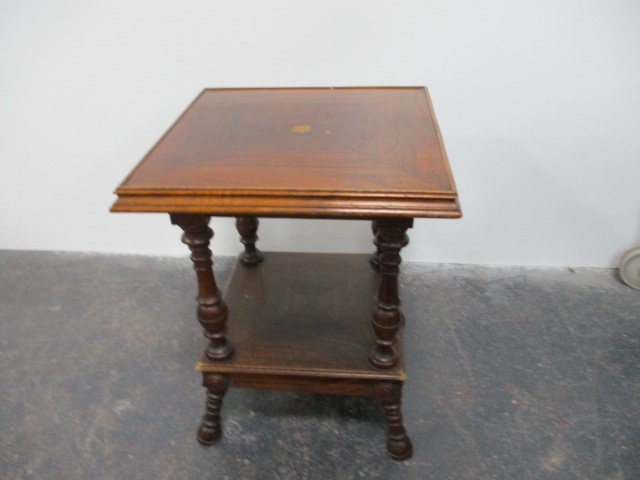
314 323
317 341
375 258
390 238
303 314
398 443
248 228
364 153
210 429
212 310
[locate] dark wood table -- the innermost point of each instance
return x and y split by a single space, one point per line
322 323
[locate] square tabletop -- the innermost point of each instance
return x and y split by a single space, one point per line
299 152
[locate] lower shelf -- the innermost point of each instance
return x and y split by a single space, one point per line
302 322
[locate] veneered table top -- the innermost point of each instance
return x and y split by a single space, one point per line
302 152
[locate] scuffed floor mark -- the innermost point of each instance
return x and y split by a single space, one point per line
555 458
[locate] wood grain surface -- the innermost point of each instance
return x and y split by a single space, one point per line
302 152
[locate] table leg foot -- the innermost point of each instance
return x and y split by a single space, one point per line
399 444
210 430
247 228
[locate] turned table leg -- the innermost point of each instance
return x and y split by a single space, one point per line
210 429
247 228
375 258
390 238
398 443
212 311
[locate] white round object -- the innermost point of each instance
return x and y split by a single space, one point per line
630 268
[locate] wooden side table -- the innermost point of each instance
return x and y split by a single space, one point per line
319 323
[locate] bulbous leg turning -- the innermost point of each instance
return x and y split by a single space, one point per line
210 429
212 310
247 228
398 443
387 317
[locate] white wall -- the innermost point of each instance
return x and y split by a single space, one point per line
538 102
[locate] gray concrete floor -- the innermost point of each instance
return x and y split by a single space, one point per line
514 373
